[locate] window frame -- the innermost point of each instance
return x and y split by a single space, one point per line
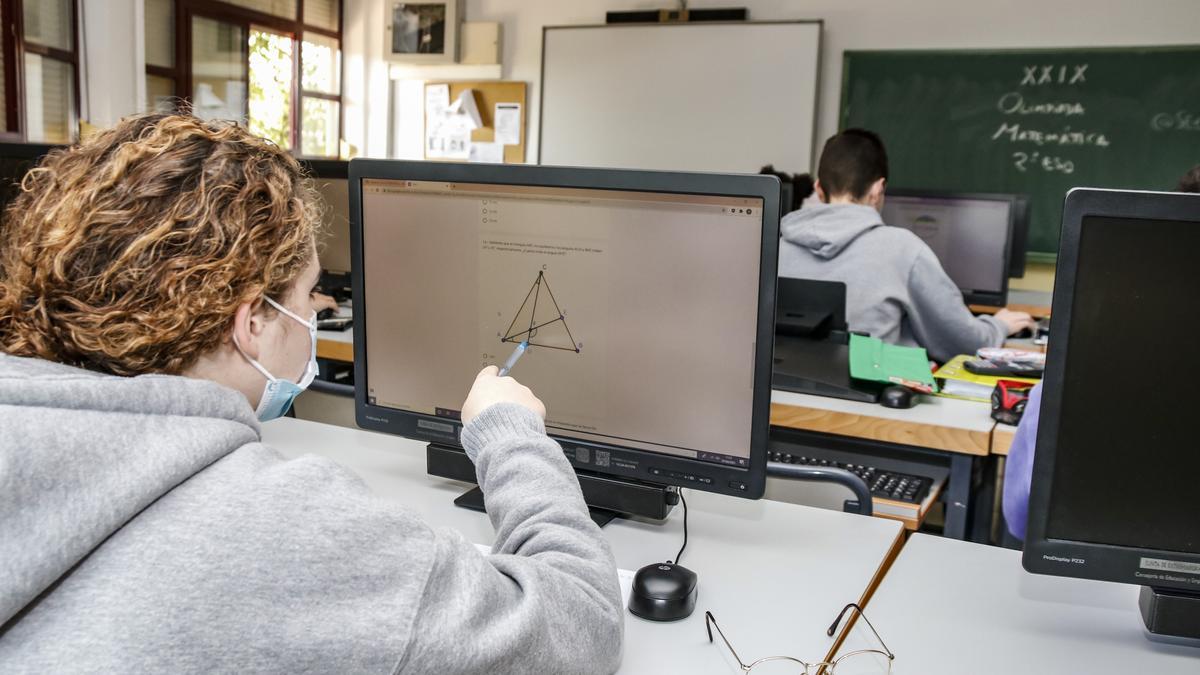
181 73
12 21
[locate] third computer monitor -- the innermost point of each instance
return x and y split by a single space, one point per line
971 235
646 300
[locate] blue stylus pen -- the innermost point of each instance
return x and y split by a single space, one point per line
512 360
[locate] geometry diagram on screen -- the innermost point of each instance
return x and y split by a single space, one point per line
540 321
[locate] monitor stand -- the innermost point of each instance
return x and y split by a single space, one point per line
1171 616
606 497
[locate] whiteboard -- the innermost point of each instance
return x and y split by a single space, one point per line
725 97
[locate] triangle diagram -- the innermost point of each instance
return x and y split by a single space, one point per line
540 321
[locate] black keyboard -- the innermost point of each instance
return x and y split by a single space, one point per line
901 487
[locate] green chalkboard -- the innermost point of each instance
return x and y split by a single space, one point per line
1037 122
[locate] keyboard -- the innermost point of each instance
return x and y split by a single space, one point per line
901 487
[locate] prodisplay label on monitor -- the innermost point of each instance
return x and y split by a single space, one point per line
594 281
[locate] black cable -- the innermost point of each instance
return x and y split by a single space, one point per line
684 502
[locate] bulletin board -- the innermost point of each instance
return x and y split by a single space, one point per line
487 95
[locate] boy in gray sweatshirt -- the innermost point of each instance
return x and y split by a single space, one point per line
155 310
896 290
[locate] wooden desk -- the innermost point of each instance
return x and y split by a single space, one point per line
774 574
961 429
336 345
949 607
1035 303
937 423
1002 439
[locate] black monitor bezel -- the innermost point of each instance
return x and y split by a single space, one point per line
975 296
1070 558
627 463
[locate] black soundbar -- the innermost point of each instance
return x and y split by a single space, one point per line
599 492
678 15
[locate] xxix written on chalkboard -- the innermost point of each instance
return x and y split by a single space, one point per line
1038 122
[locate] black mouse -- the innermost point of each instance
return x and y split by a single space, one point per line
663 592
897 397
325 314
1024 334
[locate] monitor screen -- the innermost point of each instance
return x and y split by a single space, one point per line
1113 492
1129 480
335 252
968 234
641 308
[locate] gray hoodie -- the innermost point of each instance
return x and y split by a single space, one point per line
896 290
144 528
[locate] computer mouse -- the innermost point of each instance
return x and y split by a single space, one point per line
325 314
1023 334
897 397
663 592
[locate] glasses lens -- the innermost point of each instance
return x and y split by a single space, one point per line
862 663
778 667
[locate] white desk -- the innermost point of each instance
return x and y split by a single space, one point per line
954 607
774 574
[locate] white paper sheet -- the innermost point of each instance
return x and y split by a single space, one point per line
447 136
508 123
487 153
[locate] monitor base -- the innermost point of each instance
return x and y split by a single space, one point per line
607 497
473 499
1171 616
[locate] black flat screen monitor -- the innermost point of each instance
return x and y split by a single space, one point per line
647 299
971 235
330 178
1114 480
1020 237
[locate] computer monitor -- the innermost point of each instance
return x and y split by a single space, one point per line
1020 237
331 179
647 300
1114 479
970 234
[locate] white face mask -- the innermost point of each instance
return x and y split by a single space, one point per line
278 394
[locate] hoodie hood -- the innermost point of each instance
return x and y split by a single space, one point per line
82 453
827 229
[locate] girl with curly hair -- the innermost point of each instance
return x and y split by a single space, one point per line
155 309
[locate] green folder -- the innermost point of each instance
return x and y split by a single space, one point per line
873 360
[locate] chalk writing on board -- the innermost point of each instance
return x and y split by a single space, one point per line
1179 121
1025 161
1062 74
1013 103
1016 134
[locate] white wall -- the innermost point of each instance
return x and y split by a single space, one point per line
112 79
863 24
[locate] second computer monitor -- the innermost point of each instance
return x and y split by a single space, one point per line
971 235
645 301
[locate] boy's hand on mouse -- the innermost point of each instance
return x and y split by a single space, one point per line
320 302
1016 322
490 389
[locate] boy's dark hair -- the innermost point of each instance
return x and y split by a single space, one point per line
850 162
1190 181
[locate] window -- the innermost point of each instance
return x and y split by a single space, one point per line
273 64
39 65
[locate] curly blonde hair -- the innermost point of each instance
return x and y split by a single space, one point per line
130 253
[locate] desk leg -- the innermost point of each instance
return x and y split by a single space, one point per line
958 495
985 502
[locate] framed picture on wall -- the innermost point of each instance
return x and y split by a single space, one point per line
421 32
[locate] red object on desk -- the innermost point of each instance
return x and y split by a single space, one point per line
1008 401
